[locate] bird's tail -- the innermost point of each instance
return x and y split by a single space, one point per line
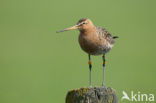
114 37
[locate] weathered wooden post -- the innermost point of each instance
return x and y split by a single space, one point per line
92 95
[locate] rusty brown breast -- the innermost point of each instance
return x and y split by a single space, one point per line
96 41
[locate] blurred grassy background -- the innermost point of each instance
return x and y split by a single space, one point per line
39 66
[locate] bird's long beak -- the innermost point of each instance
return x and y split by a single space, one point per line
67 29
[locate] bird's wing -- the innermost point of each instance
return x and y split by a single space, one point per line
104 34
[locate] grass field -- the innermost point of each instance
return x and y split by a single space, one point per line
37 65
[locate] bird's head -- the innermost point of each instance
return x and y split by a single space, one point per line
85 24
82 25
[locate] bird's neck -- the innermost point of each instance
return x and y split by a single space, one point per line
88 31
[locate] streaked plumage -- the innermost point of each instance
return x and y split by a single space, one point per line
93 40
98 41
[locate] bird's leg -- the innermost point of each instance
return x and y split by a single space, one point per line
90 68
104 64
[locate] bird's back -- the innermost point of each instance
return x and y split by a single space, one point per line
105 35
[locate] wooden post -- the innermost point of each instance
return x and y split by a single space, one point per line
92 95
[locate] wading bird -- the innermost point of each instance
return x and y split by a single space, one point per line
93 40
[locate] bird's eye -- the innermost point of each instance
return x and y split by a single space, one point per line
83 23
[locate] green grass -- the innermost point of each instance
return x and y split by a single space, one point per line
39 66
